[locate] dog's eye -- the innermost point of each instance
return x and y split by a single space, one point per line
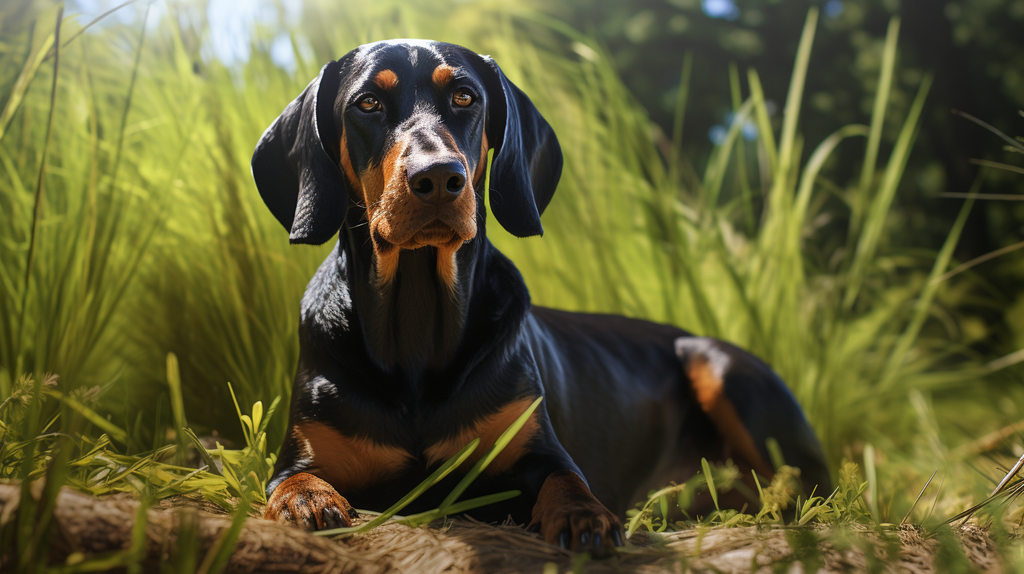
462 98
369 104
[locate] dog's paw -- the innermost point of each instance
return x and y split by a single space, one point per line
569 516
309 502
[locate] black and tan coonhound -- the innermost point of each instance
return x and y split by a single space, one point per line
418 336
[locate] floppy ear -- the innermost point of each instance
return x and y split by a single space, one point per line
296 175
527 159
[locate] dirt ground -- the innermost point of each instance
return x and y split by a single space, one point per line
92 525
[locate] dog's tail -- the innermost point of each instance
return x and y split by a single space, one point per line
749 405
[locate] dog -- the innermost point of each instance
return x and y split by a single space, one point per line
417 335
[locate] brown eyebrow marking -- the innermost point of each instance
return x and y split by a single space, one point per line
386 79
442 75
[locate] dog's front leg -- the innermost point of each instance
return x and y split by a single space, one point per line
569 515
310 502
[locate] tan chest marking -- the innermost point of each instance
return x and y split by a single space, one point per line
347 463
488 429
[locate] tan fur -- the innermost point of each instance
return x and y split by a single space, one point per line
386 79
447 265
710 392
346 166
488 429
481 165
303 496
398 220
347 462
442 75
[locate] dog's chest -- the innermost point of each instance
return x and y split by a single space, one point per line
356 463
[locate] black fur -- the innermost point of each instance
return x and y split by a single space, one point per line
411 363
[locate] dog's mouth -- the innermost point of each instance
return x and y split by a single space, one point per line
389 242
435 232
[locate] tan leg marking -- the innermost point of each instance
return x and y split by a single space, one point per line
347 463
488 429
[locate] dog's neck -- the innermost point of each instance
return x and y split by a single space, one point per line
415 321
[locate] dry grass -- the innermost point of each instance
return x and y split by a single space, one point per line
93 526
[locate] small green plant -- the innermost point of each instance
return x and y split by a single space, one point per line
777 502
54 450
247 470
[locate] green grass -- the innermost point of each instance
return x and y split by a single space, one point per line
149 239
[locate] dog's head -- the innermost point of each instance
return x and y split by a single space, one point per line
401 129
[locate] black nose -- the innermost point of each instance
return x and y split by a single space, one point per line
438 183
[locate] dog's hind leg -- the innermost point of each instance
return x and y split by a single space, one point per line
748 404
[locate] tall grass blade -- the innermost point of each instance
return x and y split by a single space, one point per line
41 182
746 195
211 465
868 242
998 165
219 554
119 147
877 121
21 85
918 499
90 24
872 476
711 483
499 445
682 96
137 551
93 417
764 125
715 175
981 258
438 475
1014 143
177 403
807 181
924 302
457 508
796 92
1010 474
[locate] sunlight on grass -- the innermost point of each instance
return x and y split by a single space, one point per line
149 273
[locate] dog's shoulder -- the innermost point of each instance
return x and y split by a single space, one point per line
326 309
